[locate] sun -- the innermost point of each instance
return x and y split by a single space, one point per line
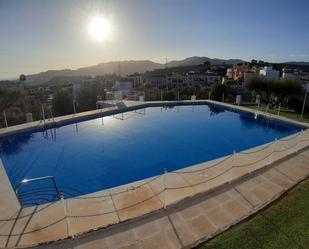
99 28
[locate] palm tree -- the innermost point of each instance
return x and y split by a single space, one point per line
22 79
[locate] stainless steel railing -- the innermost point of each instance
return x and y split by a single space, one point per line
27 181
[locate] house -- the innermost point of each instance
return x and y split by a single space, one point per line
269 73
136 78
229 73
123 86
238 72
289 73
193 78
175 80
212 77
155 80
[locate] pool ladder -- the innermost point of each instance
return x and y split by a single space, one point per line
27 181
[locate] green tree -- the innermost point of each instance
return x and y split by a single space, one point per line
285 89
217 91
62 103
169 95
275 90
9 96
22 79
88 95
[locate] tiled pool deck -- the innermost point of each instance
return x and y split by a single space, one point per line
178 209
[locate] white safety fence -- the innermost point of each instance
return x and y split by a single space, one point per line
163 186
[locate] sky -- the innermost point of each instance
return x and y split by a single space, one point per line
38 35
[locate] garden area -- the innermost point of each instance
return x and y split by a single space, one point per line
283 225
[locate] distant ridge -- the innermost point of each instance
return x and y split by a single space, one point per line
126 67
302 63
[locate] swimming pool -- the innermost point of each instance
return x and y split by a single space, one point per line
106 152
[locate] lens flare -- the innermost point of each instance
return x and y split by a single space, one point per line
99 28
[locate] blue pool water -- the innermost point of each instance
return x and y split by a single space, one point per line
105 152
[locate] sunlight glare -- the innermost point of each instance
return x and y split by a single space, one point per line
99 28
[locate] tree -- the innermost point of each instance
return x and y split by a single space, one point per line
206 65
88 95
169 95
275 91
22 79
253 62
285 89
217 91
8 97
62 103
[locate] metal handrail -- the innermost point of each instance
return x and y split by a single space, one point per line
26 181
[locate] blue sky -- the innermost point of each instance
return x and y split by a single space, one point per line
36 35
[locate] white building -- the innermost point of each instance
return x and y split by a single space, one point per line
155 80
289 73
124 87
229 73
269 72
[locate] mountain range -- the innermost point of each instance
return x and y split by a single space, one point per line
124 67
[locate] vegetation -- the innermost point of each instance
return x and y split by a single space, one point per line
88 95
62 103
16 102
9 96
169 95
283 225
22 79
217 91
277 91
289 113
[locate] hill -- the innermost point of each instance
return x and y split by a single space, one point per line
124 67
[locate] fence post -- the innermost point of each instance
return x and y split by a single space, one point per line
298 146
234 153
273 151
222 97
71 234
304 103
178 95
43 114
279 109
5 120
233 164
165 173
51 113
74 108
161 96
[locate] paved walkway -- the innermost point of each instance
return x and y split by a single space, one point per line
201 218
